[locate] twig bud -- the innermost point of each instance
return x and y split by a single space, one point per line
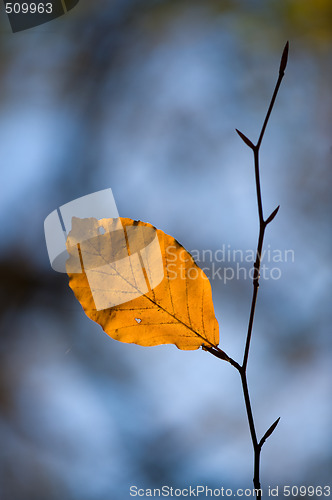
269 432
284 59
272 216
245 139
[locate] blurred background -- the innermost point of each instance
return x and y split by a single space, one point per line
143 97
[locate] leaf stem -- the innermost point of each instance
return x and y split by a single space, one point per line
242 369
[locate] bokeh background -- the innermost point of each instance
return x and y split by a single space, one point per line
143 97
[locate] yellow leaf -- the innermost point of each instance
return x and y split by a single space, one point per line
139 284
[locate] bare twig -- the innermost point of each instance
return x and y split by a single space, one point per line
242 369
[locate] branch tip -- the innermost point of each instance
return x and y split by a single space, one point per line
245 139
284 58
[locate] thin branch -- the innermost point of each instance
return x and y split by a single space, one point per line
257 267
242 369
262 222
262 226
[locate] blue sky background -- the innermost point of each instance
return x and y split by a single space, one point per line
144 97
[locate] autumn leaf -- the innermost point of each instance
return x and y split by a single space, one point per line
139 284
